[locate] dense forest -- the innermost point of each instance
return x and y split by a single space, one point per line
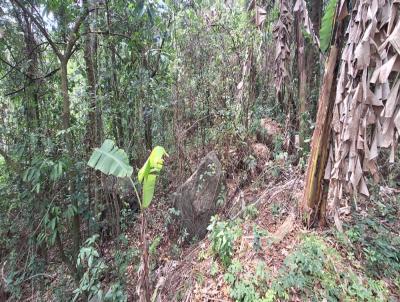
199 150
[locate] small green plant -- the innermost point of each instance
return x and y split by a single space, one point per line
232 272
378 246
214 269
258 234
251 163
112 160
154 245
223 235
250 212
246 289
316 270
275 209
89 260
115 294
278 145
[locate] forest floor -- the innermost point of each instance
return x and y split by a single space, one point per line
259 249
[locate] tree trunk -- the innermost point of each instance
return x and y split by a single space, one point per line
31 53
76 233
313 62
148 121
92 126
302 83
315 191
118 129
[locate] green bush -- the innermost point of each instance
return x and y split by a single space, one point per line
223 235
316 270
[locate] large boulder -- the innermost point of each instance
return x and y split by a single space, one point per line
198 198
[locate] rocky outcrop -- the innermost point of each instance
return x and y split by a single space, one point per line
198 198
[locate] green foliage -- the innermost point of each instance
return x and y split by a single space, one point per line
250 212
275 209
111 160
148 174
258 233
51 226
317 270
89 259
379 247
115 293
246 288
325 33
223 235
39 170
154 245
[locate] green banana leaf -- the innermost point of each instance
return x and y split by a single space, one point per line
147 175
111 160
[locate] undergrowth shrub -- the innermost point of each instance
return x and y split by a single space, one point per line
93 266
223 235
246 288
373 240
316 270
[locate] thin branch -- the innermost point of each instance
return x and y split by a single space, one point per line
74 34
41 28
14 92
47 75
34 79
107 33
12 68
48 276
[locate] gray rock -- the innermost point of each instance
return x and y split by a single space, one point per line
199 197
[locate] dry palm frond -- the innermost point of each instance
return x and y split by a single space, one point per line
282 40
301 8
261 16
366 115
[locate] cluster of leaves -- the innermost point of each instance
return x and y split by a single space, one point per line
246 289
90 285
112 160
375 243
223 235
317 270
89 260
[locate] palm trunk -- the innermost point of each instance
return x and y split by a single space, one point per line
144 283
316 187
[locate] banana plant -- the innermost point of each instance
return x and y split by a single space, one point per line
112 160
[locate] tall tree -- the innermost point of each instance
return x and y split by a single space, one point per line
64 56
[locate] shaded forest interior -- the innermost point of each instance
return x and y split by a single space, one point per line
213 150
